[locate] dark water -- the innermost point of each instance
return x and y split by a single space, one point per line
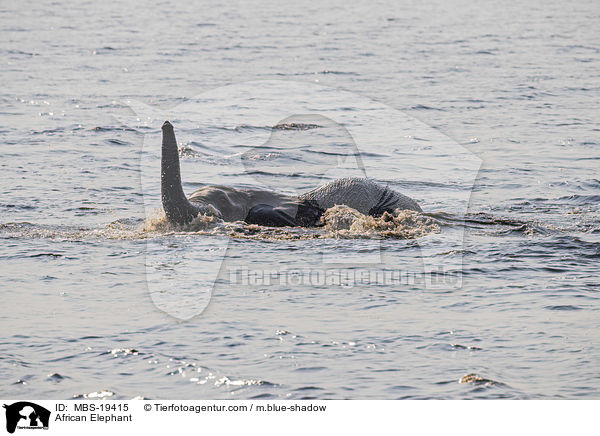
487 113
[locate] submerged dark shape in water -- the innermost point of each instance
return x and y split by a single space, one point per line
478 380
268 208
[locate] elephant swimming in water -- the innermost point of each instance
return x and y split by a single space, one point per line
265 207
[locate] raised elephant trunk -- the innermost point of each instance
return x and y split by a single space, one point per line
177 207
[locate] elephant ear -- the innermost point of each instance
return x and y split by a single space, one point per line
141 115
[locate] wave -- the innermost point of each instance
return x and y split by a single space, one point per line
338 222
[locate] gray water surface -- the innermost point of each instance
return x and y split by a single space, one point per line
515 86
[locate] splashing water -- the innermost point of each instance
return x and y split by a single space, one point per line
338 222
345 222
